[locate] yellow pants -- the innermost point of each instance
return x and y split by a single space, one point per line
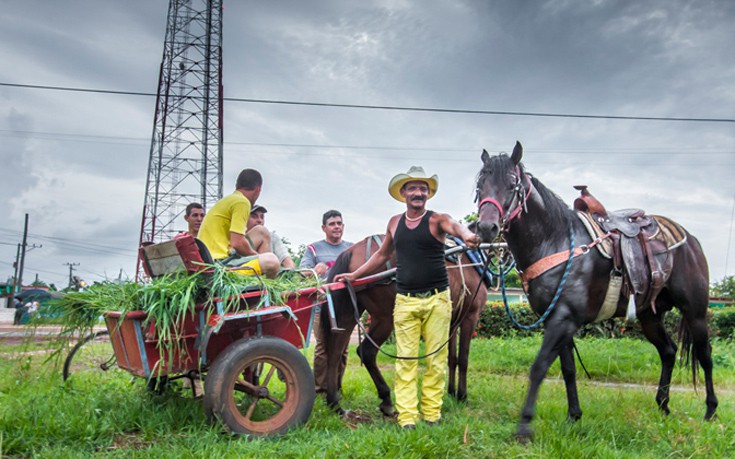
251 265
414 318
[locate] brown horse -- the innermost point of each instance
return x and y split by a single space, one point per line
537 226
468 298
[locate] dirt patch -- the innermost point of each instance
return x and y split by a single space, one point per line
128 440
353 418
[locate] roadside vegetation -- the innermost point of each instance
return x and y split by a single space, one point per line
113 415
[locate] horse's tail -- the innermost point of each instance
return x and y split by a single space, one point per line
687 356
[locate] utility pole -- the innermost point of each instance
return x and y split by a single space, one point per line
71 272
20 257
23 253
15 275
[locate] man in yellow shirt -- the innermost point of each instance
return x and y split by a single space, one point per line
223 228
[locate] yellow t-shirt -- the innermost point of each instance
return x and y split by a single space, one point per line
229 214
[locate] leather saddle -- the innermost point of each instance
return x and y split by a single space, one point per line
640 245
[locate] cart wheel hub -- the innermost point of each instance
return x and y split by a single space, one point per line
263 392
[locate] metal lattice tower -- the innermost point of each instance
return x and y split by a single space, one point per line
185 162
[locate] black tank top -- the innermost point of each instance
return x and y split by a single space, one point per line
419 258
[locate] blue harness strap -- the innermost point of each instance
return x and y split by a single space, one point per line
476 259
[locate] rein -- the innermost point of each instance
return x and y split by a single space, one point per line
559 289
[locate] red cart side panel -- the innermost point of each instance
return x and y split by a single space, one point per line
128 350
276 321
137 350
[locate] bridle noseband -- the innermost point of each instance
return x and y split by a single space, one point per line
518 203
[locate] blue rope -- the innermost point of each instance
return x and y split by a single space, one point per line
478 258
556 296
501 272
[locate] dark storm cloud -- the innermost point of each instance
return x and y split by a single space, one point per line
82 168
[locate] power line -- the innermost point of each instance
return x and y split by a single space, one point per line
85 246
121 140
387 107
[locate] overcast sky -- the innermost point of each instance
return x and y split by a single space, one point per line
77 162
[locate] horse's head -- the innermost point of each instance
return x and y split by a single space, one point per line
500 192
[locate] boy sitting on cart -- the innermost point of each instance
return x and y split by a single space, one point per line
224 227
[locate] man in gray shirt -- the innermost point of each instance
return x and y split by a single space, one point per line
320 256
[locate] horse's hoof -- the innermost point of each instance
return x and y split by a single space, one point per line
461 396
387 411
574 417
711 417
337 410
524 435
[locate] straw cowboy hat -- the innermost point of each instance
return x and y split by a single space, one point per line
413 174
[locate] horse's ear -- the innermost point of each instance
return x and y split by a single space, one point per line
485 156
517 153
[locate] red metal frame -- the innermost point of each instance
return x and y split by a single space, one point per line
201 338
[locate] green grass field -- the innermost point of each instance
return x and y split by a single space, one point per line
112 414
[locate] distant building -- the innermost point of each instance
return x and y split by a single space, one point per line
514 295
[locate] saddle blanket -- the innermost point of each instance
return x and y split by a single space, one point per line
668 232
473 255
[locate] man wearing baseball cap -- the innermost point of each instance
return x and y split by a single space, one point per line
423 307
265 240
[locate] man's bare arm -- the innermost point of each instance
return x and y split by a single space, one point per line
453 227
377 260
241 245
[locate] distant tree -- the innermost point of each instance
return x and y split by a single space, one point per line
724 288
298 254
469 218
512 279
39 283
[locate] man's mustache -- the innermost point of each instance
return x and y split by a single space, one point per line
417 198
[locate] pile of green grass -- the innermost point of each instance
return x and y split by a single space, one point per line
168 300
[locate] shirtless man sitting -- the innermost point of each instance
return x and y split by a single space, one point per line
264 240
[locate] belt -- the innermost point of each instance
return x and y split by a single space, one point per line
426 294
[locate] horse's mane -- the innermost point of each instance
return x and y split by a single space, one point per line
556 209
341 264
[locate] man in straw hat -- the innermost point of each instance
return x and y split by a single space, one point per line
423 304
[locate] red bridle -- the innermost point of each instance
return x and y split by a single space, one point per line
494 202
521 202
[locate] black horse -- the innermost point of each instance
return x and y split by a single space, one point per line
468 298
536 224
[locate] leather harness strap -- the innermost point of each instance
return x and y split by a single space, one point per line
551 261
547 263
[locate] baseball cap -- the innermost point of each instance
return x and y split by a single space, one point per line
258 208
